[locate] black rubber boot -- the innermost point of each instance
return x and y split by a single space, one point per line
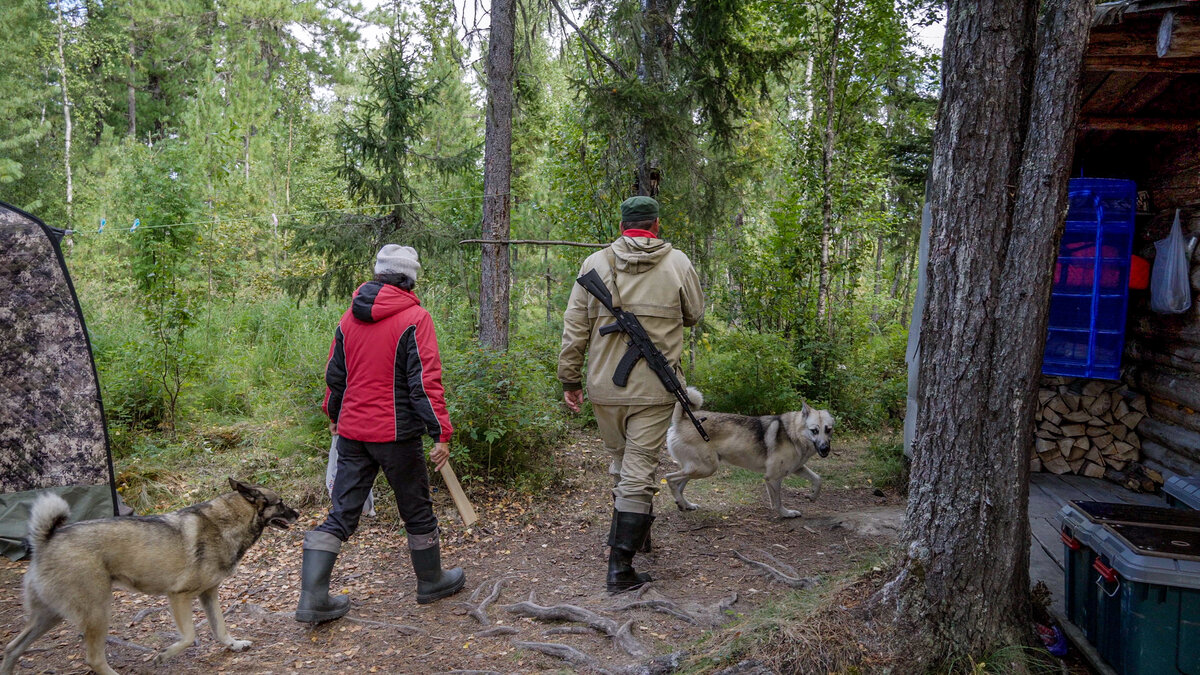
625 537
316 605
432 582
646 547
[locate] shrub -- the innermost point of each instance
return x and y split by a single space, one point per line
748 373
506 413
886 464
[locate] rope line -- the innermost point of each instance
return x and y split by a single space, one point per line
276 216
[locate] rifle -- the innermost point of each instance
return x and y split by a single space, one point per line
640 347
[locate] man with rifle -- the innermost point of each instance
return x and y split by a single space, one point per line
633 337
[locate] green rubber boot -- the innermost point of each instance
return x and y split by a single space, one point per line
433 583
316 605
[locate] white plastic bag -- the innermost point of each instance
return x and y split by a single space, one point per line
331 474
1170 292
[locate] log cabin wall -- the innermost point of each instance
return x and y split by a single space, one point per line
1140 119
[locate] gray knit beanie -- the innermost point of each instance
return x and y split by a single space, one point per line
396 259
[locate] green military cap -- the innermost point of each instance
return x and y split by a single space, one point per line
639 208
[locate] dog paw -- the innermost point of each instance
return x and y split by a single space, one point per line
789 513
239 645
690 506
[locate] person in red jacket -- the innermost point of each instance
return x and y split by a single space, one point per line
384 393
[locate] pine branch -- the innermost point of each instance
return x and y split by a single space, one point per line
534 242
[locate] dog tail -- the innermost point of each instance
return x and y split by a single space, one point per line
695 398
49 513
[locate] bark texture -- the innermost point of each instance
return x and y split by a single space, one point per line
1002 155
497 178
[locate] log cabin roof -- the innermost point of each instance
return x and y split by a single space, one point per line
1142 69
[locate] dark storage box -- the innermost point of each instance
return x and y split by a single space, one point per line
1133 584
1183 492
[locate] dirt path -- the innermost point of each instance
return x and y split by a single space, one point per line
552 546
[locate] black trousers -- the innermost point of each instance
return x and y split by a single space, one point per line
403 464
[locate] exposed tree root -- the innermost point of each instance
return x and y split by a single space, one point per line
796 581
566 653
658 605
479 611
140 616
620 635
496 631
569 630
125 643
714 615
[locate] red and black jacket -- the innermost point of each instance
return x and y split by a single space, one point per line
384 374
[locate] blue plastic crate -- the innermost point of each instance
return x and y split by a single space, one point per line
1086 332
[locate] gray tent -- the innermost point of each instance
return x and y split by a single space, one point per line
52 432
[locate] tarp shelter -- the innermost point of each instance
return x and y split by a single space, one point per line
52 431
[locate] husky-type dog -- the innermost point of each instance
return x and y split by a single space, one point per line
773 445
182 555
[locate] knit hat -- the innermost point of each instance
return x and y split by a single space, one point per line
639 208
396 259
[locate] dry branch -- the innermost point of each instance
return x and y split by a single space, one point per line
794 582
534 242
620 635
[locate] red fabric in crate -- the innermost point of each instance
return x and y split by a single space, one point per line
1080 275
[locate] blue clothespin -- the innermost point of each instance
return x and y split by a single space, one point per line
102 222
136 222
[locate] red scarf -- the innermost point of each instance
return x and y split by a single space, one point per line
634 232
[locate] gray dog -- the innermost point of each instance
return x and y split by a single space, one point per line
182 555
773 445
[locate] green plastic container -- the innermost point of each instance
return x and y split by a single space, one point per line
1133 584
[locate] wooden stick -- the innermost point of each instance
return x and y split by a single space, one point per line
535 242
460 498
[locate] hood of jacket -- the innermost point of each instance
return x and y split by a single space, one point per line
636 255
375 301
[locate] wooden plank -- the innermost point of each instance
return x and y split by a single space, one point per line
1043 568
1149 88
1141 124
1045 535
1041 482
1141 64
1115 89
465 510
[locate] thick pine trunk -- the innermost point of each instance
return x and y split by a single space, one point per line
497 178
1002 154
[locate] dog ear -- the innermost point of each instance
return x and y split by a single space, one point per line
246 490
805 411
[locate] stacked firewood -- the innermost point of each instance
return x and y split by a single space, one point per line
1086 427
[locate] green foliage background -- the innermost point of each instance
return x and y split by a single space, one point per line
267 148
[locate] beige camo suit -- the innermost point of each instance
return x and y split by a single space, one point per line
658 284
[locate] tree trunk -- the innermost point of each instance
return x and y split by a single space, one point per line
66 102
656 42
497 178
963 584
130 90
827 147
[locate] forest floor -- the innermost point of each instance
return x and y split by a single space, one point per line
551 545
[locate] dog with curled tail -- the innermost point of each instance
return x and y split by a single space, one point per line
775 446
